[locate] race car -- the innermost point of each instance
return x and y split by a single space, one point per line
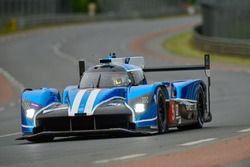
114 97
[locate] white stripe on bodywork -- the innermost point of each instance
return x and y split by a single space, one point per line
41 110
110 99
132 110
76 103
91 101
105 101
27 126
55 109
181 99
146 120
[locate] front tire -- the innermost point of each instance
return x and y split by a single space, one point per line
200 108
161 112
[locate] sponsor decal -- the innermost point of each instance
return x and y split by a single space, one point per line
114 104
144 99
127 60
173 115
34 105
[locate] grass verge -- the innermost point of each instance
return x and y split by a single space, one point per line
182 45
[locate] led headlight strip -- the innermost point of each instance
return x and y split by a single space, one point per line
30 108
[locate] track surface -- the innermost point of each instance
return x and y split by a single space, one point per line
48 58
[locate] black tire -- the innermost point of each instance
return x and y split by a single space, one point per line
161 112
43 139
200 108
210 117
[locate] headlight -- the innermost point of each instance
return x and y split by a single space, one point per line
30 113
139 108
30 108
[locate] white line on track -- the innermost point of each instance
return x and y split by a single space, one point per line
10 134
244 130
120 158
12 104
12 79
57 50
197 142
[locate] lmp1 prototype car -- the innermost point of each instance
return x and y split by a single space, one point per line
114 97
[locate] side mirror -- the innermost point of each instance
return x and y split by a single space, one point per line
130 83
81 67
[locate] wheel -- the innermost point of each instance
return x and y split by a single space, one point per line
161 112
200 108
42 139
210 117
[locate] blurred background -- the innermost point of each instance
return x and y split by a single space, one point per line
41 42
225 28
33 12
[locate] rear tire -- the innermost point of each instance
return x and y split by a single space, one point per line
161 112
200 108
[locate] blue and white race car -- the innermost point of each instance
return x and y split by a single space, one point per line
114 97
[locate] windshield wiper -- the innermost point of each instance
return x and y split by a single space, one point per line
98 82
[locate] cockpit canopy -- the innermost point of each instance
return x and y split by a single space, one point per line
107 76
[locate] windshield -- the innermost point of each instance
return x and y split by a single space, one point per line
104 79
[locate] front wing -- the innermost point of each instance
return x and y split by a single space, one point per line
113 131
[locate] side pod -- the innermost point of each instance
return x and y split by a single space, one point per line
205 67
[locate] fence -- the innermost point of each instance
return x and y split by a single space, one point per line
220 45
141 8
10 8
14 8
226 18
27 13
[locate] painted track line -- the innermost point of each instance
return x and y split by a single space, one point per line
10 134
244 130
12 104
16 83
120 158
57 51
197 142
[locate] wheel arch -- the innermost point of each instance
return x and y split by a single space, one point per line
163 86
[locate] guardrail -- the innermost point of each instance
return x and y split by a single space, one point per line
19 23
19 14
31 21
220 45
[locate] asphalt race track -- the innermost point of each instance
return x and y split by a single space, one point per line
49 58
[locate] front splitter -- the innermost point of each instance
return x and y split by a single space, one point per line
114 131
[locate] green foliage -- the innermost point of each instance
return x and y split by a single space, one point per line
182 45
80 6
191 2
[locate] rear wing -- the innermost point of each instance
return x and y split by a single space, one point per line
205 67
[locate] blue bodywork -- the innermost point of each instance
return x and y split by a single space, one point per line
42 99
36 99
